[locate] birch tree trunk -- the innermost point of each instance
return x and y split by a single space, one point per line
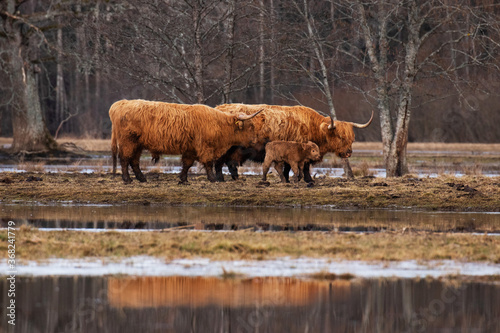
198 57
323 82
272 75
61 102
261 52
228 66
96 100
394 136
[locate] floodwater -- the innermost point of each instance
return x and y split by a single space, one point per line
425 164
196 304
155 217
144 295
250 169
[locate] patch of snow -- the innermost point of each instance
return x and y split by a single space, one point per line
317 171
151 266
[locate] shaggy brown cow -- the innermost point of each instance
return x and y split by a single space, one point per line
291 152
197 132
301 124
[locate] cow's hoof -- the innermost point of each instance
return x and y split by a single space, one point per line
310 184
183 182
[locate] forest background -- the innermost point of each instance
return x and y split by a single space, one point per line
64 62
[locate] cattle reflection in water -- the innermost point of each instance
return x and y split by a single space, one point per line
184 304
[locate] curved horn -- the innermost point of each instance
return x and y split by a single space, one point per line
332 124
363 125
243 116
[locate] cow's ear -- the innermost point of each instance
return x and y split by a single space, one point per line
324 126
239 124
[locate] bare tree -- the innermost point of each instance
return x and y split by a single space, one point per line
317 50
189 51
21 41
400 43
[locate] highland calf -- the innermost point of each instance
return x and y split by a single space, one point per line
291 152
196 132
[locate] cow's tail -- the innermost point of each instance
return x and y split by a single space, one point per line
114 148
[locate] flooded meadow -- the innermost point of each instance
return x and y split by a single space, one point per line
373 254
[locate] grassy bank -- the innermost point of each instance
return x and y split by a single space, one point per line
468 193
33 244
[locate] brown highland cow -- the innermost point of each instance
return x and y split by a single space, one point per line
296 123
196 132
291 152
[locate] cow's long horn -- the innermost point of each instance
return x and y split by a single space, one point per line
332 124
363 125
243 116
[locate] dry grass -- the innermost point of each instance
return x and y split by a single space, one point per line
92 144
34 244
363 170
29 166
434 146
468 193
88 144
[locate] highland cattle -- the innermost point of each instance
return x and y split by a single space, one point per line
196 132
301 124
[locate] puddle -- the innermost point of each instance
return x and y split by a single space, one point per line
155 217
172 164
186 304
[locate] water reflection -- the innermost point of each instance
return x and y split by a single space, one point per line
182 304
235 218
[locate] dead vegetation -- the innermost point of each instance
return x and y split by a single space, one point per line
32 244
467 193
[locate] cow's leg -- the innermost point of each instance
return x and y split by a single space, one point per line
265 168
307 173
286 172
125 175
125 153
295 169
301 168
210 172
278 166
134 163
233 169
155 157
187 162
218 170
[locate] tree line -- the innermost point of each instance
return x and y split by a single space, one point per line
64 62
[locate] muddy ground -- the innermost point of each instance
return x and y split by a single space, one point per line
467 193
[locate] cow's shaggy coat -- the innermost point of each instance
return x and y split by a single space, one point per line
196 132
